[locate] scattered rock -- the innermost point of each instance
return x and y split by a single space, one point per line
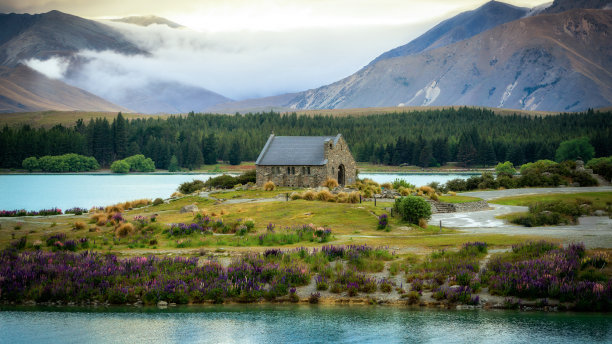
190 208
162 304
599 212
172 304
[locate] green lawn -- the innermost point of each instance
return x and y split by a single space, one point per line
252 194
458 199
600 200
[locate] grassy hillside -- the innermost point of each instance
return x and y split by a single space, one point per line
69 118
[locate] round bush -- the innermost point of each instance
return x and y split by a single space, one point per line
120 166
413 208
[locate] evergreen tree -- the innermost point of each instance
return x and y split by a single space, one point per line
193 159
516 155
209 149
120 136
174 166
487 153
426 156
466 151
235 154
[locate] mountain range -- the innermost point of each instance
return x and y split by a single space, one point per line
551 58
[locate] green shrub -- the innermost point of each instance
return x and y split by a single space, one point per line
574 149
457 184
507 182
601 166
488 182
139 163
505 169
192 186
538 166
584 179
120 166
412 208
227 182
473 182
62 163
158 201
398 183
30 163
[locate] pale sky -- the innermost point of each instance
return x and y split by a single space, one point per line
257 15
244 48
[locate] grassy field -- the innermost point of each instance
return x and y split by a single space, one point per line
350 224
458 199
252 194
69 118
49 119
598 199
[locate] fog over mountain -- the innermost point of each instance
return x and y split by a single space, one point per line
153 65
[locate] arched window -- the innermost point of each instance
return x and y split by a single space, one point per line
288 170
293 170
308 170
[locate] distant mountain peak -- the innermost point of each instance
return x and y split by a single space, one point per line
460 27
530 64
148 20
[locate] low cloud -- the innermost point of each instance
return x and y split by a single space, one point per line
238 65
54 67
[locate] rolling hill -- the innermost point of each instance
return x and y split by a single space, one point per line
56 34
23 89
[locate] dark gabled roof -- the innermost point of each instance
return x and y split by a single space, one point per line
295 150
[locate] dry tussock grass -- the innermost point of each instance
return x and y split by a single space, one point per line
308 195
324 195
79 225
330 183
354 197
124 230
269 186
99 218
422 223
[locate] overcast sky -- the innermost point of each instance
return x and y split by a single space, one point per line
247 48
277 15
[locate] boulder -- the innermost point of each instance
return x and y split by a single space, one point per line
599 212
190 208
162 304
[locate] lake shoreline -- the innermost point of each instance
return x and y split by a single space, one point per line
108 172
525 306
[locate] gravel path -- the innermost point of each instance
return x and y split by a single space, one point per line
594 231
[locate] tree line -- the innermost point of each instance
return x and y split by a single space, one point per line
470 136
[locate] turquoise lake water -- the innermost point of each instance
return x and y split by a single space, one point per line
301 324
43 191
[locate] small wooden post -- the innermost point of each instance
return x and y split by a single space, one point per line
287 197
359 198
440 225
374 200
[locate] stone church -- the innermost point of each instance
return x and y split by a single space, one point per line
305 161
